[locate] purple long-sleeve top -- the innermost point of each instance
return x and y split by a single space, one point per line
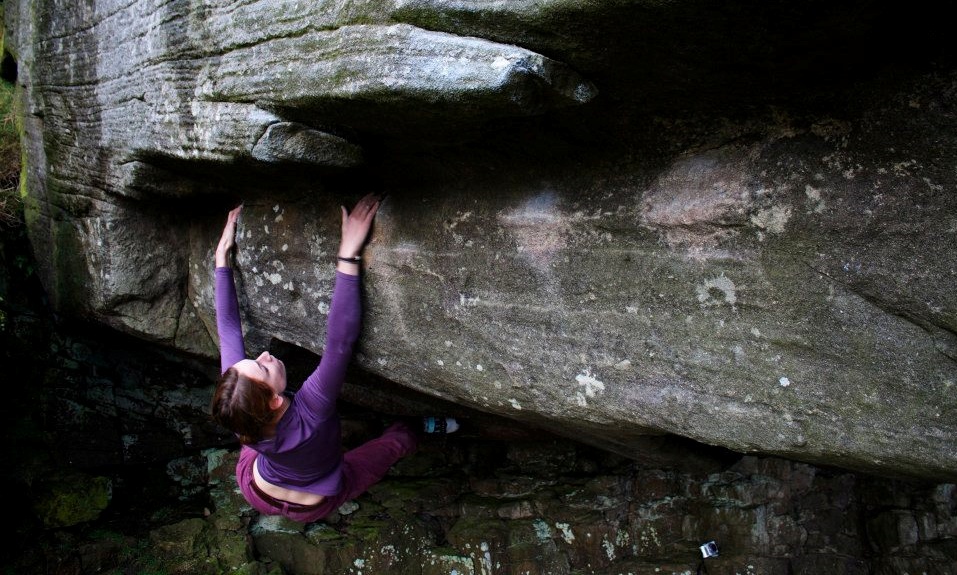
305 453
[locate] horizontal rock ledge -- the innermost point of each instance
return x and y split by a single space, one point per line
393 69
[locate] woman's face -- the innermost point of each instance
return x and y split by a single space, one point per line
267 368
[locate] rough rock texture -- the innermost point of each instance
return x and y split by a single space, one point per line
492 499
612 219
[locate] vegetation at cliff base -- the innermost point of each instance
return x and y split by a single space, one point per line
9 156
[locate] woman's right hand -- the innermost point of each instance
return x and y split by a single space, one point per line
356 225
228 239
355 230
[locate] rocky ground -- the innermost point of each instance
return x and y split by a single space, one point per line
544 506
467 505
112 469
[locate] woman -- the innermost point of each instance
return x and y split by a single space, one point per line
291 462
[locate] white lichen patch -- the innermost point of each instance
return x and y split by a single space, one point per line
487 566
717 291
592 386
467 301
738 352
514 403
389 551
609 548
316 249
566 532
851 172
542 531
814 199
784 382
460 217
649 537
905 168
773 219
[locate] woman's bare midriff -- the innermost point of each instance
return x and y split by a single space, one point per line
283 494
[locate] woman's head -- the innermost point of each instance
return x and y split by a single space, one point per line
248 395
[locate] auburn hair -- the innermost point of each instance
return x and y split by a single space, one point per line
241 404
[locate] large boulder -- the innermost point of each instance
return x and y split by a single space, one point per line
612 219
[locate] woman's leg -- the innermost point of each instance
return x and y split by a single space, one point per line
367 464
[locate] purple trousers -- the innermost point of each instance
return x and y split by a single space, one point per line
362 467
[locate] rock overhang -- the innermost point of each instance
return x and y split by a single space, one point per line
694 251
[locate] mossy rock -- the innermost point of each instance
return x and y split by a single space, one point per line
179 539
185 547
231 550
369 530
72 499
322 532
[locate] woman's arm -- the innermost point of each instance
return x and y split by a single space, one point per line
321 389
228 326
227 241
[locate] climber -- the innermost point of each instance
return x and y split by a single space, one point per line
291 462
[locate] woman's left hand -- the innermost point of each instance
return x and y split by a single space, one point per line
227 240
356 225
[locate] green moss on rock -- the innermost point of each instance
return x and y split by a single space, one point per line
72 499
